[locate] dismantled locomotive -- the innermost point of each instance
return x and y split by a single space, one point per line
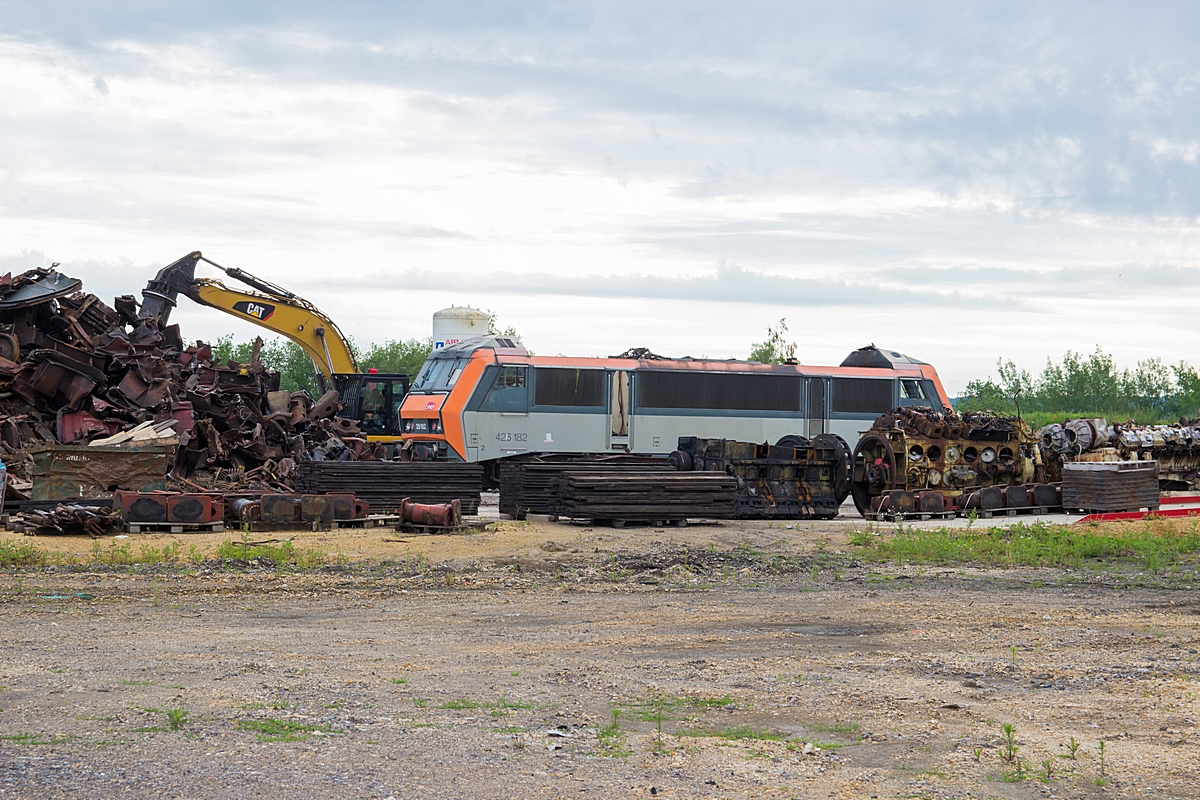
794 479
1176 448
921 461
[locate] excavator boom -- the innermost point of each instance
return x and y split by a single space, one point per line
271 307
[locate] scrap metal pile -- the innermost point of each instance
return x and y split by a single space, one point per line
74 370
795 479
916 460
1176 448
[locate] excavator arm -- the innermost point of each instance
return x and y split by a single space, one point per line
271 307
373 399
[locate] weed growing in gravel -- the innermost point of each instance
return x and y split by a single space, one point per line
1072 749
1009 753
612 739
20 554
282 730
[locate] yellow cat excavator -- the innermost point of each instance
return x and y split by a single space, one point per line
372 398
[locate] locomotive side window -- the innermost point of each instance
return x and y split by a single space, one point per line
568 387
912 390
718 391
861 396
508 391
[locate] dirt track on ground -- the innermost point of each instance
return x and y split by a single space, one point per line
492 667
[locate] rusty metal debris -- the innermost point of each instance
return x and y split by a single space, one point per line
95 521
76 371
920 461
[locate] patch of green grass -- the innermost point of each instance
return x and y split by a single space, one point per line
460 704
20 554
150 729
282 730
420 702
837 726
1041 544
734 733
137 683
504 702
335 704
398 681
177 718
285 553
745 549
35 739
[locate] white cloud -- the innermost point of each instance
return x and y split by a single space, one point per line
962 182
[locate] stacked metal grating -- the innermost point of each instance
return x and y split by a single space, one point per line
1110 486
645 494
385 483
529 487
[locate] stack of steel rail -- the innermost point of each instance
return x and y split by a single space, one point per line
650 495
528 487
385 483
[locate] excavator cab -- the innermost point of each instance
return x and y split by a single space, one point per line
374 400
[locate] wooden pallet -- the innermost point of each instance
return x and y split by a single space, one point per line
661 522
1027 511
467 526
369 521
1024 511
901 516
175 527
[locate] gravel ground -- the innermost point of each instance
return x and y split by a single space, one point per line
556 662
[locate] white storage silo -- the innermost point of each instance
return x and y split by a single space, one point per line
452 325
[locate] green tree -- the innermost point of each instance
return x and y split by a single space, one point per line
397 356
296 370
1186 398
776 349
1090 385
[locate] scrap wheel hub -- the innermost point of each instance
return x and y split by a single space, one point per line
874 471
842 474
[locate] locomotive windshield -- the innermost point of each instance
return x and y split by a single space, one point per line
439 374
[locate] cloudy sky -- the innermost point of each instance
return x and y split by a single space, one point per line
958 181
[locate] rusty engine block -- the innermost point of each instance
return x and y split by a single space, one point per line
1176 448
921 461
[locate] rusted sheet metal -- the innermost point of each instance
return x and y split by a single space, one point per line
67 471
35 287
